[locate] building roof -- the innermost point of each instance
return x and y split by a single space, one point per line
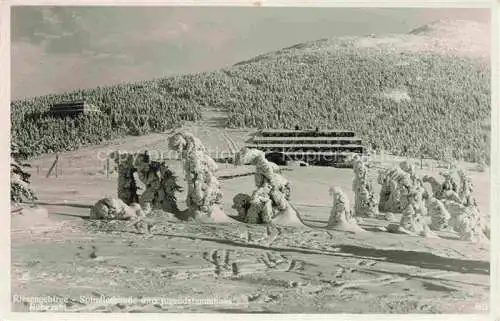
302 138
293 131
285 145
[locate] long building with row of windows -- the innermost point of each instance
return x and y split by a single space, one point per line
73 108
314 147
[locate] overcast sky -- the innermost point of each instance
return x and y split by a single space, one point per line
57 49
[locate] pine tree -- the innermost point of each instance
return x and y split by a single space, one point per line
170 187
20 190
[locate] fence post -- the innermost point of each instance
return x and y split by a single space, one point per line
107 167
54 165
57 166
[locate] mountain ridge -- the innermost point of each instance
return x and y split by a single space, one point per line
446 36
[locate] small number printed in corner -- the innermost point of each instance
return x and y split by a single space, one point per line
484 307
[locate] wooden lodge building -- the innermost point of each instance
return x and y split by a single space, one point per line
72 108
314 147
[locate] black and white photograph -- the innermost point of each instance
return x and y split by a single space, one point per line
251 159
